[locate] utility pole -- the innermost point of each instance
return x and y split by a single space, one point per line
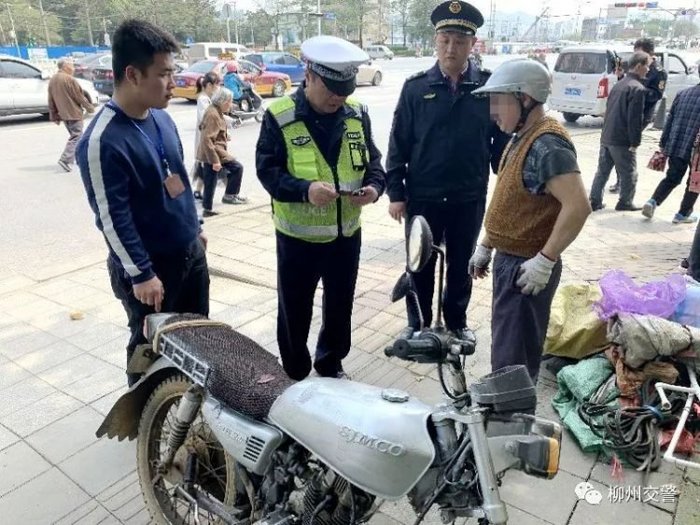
235 20
319 15
89 23
13 32
43 22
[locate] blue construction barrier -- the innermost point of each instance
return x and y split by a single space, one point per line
52 52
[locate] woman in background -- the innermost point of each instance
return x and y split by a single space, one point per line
214 154
206 87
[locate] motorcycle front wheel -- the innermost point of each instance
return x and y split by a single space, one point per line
163 490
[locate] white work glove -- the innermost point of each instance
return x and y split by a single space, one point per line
480 261
534 274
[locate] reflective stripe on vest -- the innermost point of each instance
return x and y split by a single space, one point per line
305 161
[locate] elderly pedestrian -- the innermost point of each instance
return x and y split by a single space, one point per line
318 161
66 104
680 132
442 141
537 210
213 152
622 135
207 85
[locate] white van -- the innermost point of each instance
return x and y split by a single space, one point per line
212 50
584 75
379 52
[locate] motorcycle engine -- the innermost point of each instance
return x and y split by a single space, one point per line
331 500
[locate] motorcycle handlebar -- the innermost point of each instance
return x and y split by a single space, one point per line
428 349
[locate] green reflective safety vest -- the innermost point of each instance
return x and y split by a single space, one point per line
303 220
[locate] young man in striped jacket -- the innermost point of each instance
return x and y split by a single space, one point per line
131 163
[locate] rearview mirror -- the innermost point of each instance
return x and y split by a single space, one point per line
419 245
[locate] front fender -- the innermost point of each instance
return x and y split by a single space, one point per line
122 421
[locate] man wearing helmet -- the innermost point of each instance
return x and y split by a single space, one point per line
538 208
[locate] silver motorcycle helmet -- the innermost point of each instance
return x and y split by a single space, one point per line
522 75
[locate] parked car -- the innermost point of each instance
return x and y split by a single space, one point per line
584 75
84 66
103 78
279 62
213 50
377 51
369 74
267 83
24 88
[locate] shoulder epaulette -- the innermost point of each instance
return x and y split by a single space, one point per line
417 75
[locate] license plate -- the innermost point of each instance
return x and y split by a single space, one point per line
99 85
180 83
574 92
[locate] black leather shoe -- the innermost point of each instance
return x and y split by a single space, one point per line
209 213
597 206
465 334
627 206
406 333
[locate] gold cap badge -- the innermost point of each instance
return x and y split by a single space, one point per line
455 7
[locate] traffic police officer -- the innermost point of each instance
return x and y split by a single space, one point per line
441 143
316 158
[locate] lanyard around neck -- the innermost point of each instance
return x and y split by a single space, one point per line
160 147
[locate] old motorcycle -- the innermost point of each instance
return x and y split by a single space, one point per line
224 437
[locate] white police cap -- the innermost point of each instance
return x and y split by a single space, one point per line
334 60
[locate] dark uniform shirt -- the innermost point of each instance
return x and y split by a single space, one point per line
442 141
655 82
327 132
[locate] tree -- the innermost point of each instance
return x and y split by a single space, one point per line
401 9
685 29
420 27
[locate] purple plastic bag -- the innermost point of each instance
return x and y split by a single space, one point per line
622 294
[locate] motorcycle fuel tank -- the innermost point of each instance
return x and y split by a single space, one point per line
375 438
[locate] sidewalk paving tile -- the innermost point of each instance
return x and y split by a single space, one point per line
97 335
27 343
529 494
11 373
48 357
86 377
90 513
105 403
43 500
67 436
19 463
23 394
100 465
40 414
7 438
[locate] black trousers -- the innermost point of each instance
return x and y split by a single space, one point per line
674 176
233 181
457 225
300 266
185 277
519 322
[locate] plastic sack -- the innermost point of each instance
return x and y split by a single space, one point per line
688 312
574 328
622 295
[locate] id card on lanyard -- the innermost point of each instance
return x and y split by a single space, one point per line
173 182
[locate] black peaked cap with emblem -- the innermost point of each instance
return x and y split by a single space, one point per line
457 16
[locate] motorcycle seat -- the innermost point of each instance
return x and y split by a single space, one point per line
242 374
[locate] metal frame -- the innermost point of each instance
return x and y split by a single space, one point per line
693 393
197 370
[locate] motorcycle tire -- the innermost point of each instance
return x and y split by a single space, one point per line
152 438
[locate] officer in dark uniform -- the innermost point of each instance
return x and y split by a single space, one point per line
655 82
442 142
